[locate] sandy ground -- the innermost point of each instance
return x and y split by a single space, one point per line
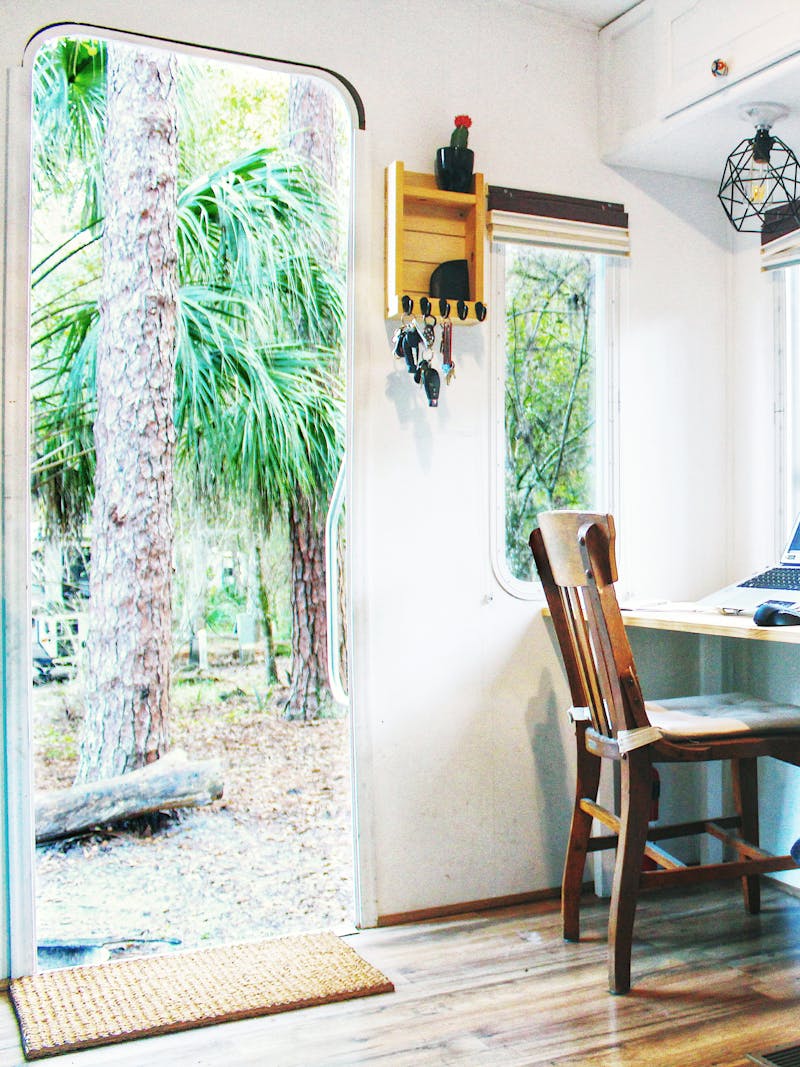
273 856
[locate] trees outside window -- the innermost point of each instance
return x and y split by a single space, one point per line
550 394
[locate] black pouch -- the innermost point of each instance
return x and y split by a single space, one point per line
451 280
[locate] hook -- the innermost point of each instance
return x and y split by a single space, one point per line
480 311
463 309
408 305
444 308
425 306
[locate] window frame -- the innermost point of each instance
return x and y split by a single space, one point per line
607 405
786 399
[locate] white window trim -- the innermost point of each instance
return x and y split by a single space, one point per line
547 232
785 327
607 473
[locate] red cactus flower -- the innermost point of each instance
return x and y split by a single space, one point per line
458 138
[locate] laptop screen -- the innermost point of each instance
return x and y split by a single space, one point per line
792 553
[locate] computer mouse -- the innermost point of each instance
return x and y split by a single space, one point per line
777 613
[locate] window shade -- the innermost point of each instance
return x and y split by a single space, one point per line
558 221
780 237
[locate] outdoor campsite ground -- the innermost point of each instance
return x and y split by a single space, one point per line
273 856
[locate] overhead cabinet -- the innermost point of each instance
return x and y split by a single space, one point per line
425 227
741 36
664 58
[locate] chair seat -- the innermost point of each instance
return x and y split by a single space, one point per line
720 715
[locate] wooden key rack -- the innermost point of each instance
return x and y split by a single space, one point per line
427 226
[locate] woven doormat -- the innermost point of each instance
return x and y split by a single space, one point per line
78 1007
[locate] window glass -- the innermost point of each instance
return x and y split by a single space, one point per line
553 384
789 458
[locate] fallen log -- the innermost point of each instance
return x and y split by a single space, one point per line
171 782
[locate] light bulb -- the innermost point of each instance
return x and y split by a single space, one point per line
758 190
757 183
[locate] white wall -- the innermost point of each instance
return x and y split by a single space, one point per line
757 531
460 732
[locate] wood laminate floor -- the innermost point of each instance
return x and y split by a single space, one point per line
501 988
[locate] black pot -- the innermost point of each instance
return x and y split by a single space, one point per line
454 169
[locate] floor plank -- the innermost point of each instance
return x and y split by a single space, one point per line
502 988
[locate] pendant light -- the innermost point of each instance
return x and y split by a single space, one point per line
761 173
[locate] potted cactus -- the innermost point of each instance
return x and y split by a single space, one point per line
454 163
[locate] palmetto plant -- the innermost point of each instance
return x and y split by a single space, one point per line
258 414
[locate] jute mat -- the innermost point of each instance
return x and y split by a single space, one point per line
59 1011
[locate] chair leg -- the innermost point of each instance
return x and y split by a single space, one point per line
586 785
745 795
635 811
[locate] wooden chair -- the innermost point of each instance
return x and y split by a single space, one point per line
574 554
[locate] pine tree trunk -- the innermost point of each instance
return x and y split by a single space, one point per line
311 116
129 643
309 694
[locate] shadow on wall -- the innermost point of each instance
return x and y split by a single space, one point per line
691 201
551 740
405 390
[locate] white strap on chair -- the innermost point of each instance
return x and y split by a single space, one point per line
638 738
579 714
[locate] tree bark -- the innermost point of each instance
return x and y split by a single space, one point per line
129 643
170 783
311 117
309 693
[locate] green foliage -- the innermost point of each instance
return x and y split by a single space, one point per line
59 744
239 106
190 693
69 103
258 401
549 399
222 607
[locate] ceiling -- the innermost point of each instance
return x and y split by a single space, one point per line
594 12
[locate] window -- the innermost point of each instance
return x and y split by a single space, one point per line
787 413
554 384
780 255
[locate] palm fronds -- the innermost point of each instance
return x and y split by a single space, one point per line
257 414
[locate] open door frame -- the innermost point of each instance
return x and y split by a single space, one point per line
17 826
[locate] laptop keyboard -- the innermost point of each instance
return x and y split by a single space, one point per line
775 578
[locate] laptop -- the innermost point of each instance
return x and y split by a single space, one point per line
779 582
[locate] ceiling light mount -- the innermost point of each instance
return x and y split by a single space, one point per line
763 115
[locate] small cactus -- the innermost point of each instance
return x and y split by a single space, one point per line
459 136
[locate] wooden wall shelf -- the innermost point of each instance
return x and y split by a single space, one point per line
426 226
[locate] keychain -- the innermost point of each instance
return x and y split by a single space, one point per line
446 348
411 343
430 383
429 331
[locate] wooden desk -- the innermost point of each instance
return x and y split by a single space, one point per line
679 650
712 624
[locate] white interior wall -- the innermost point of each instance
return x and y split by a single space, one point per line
460 733
757 522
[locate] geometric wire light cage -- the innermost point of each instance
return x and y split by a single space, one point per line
760 174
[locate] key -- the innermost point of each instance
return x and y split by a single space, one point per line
397 342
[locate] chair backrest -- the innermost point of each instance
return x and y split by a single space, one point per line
574 555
